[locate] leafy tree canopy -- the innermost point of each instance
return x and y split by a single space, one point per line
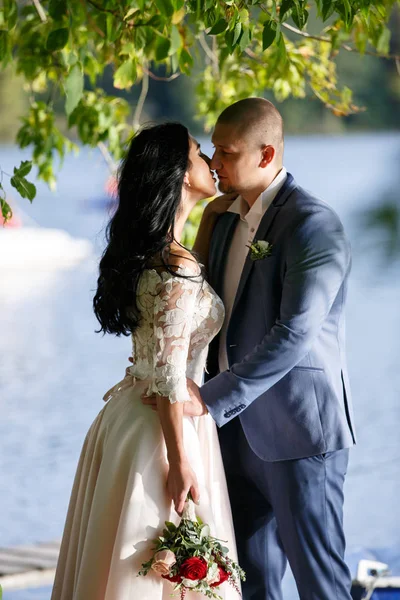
237 49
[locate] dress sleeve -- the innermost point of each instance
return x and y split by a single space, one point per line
174 308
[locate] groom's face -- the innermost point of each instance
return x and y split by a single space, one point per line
236 159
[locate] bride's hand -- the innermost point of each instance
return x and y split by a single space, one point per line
182 480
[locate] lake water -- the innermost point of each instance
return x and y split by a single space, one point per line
54 369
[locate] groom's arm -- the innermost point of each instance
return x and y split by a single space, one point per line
318 259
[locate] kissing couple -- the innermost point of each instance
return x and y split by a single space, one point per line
239 349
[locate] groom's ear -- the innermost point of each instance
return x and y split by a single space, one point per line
268 153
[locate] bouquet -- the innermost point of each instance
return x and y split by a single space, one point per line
191 559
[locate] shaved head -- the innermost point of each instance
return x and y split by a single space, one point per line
257 121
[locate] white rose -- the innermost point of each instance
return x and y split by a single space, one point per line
263 245
163 562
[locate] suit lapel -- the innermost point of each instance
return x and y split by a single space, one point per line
221 241
263 230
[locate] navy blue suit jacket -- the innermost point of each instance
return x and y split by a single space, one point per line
288 380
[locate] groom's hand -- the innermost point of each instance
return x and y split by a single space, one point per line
194 408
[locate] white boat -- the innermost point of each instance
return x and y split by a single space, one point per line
374 582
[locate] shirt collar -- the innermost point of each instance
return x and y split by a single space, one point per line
264 200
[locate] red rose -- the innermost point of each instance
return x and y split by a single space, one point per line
223 576
193 568
173 578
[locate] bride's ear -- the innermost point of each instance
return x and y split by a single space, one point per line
186 181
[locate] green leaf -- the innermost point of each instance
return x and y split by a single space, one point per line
237 31
347 95
113 28
300 17
166 7
25 188
269 34
3 43
282 54
125 75
185 61
328 8
57 39
384 41
155 21
73 87
144 37
162 48
285 7
130 12
170 526
5 210
205 532
244 40
7 214
24 168
219 27
57 9
176 40
10 13
347 12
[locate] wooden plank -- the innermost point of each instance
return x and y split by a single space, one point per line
8 570
21 562
30 579
31 551
26 562
52 544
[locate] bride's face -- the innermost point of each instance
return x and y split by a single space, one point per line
199 179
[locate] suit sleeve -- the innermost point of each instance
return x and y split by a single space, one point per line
317 262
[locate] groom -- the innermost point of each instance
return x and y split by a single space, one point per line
277 385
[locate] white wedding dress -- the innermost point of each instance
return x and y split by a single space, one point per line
119 501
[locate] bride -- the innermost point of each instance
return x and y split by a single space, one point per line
137 466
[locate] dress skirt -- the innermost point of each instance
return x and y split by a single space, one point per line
119 502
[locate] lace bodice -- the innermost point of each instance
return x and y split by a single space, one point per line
179 318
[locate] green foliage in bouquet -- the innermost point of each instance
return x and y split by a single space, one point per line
200 562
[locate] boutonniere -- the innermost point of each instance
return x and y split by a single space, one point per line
260 249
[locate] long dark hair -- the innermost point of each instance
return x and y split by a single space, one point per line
150 184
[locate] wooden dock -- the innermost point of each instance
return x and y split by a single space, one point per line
28 566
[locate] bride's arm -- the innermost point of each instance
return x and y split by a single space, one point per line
174 307
181 478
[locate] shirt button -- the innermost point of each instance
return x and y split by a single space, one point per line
252 230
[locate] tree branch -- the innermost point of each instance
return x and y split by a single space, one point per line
92 23
40 11
107 157
142 99
328 40
205 46
211 55
254 56
159 78
102 9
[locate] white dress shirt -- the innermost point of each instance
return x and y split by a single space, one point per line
243 236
